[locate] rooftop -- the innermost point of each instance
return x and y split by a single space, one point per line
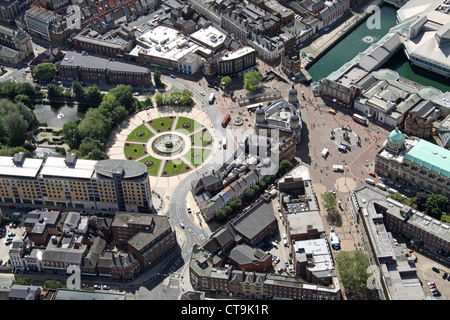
430 156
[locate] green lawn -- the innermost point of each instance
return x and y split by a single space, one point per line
174 167
201 138
134 150
186 124
141 133
152 165
162 124
197 156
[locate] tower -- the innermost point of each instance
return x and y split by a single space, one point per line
292 98
395 141
260 115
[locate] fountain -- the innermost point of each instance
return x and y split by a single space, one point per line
60 115
168 145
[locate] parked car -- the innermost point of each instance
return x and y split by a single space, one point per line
437 294
97 286
373 174
445 275
435 269
173 76
105 287
202 93
286 263
181 225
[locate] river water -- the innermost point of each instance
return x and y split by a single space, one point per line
359 40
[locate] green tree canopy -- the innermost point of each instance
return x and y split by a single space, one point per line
95 125
329 201
111 108
124 95
157 79
78 90
71 134
45 71
226 82
252 80
285 167
93 93
220 214
54 90
352 266
249 193
435 205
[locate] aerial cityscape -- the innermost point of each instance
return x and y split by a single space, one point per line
222 150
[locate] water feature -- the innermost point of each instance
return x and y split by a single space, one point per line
168 144
355 42
57 115
360 39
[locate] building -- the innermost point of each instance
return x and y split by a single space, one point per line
428 36
114 44
15 46
388 99
420 119
210 37
39 22
148 237
281 116
418 163
79 295
380 217
10 9
75 183
41 224
20 292
164 47
90 69
50 55
206 277
237 63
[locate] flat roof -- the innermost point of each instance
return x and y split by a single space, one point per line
28 169
83 169
210 36
68 294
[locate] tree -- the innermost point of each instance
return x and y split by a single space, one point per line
45 71
25 88
226 82
227 210
97 154
421 198
93 94
329 201
157 79
54 90
124 95
249 193
435 205
16 128
78 90
158 99
71 134
95 125
220 214
22 282
252 80
235 204
112 109
262 184
8 89
352 266
88 145
23 98
256 188
285 167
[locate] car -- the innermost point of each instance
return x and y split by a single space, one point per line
435 269
290 261
432 286
274 258
97 286
136 94
105 287
397 185
332 111
173 76
181 225
433 290
431 283
286 263
437 294
333 192
277 261
291 269
202 93
373 174
445 275
280 270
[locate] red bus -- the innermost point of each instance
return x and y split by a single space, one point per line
359 119
226 120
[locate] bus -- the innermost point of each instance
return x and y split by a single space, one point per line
211 98
335 241
359 119
225 120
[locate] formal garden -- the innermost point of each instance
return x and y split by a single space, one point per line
169 146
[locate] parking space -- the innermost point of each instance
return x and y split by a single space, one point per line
276 247
426 274
11 229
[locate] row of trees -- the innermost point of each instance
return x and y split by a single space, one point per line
433 205
87 137
252 192
91 93
183 97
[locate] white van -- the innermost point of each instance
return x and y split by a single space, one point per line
381 186
324 152
392 191
370 181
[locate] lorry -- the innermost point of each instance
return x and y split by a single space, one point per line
324 152
211 98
